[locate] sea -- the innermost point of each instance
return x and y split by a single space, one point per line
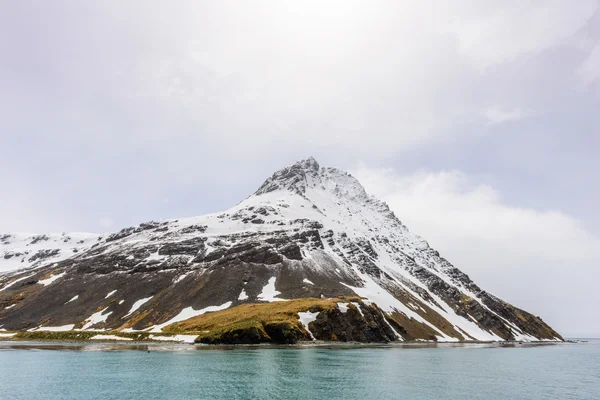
64 370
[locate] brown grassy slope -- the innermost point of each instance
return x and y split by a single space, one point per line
257 322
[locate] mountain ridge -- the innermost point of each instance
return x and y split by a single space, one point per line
306 232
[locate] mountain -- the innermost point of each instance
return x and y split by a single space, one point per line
309 255
27 251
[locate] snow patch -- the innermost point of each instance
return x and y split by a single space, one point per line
269 292
109 337
243 295
131 330
63 328
343 307
137 305
50 280
398 336
111 293
155 257
307 281
359 310
95 318
15 281
306 318
188 313
181 277
73 299
176 338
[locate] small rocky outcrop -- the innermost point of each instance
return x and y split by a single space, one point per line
366 326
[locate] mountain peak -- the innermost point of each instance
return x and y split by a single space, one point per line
310 164
306 176
294 177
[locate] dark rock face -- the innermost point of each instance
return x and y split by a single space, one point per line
273 332
194 229
43 254
285 333
123 233
292 178
5 238
462 305
352 326
525 321
190 247
39 238
252 335
358 256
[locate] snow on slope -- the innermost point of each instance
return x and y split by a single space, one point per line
25 250
338 201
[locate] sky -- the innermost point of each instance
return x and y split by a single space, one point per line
477 121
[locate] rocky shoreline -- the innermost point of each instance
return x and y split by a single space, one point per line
18 338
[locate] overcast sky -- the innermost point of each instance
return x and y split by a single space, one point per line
477 121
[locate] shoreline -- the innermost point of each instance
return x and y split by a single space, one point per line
188 338
120 343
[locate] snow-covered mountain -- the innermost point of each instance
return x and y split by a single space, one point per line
307 232
26 250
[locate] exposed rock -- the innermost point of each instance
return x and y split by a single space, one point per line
352 326
194 229
39 238
188 247
43 254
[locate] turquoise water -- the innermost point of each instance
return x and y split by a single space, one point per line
102 371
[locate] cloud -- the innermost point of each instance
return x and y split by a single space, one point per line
498 115
490 33
106 222
337 75
382 76
589 71
542 261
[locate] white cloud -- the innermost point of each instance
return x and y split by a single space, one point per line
499 115
106 222
494 32
353 74
589 71
542 261
382 76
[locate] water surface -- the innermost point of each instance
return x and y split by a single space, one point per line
129 371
